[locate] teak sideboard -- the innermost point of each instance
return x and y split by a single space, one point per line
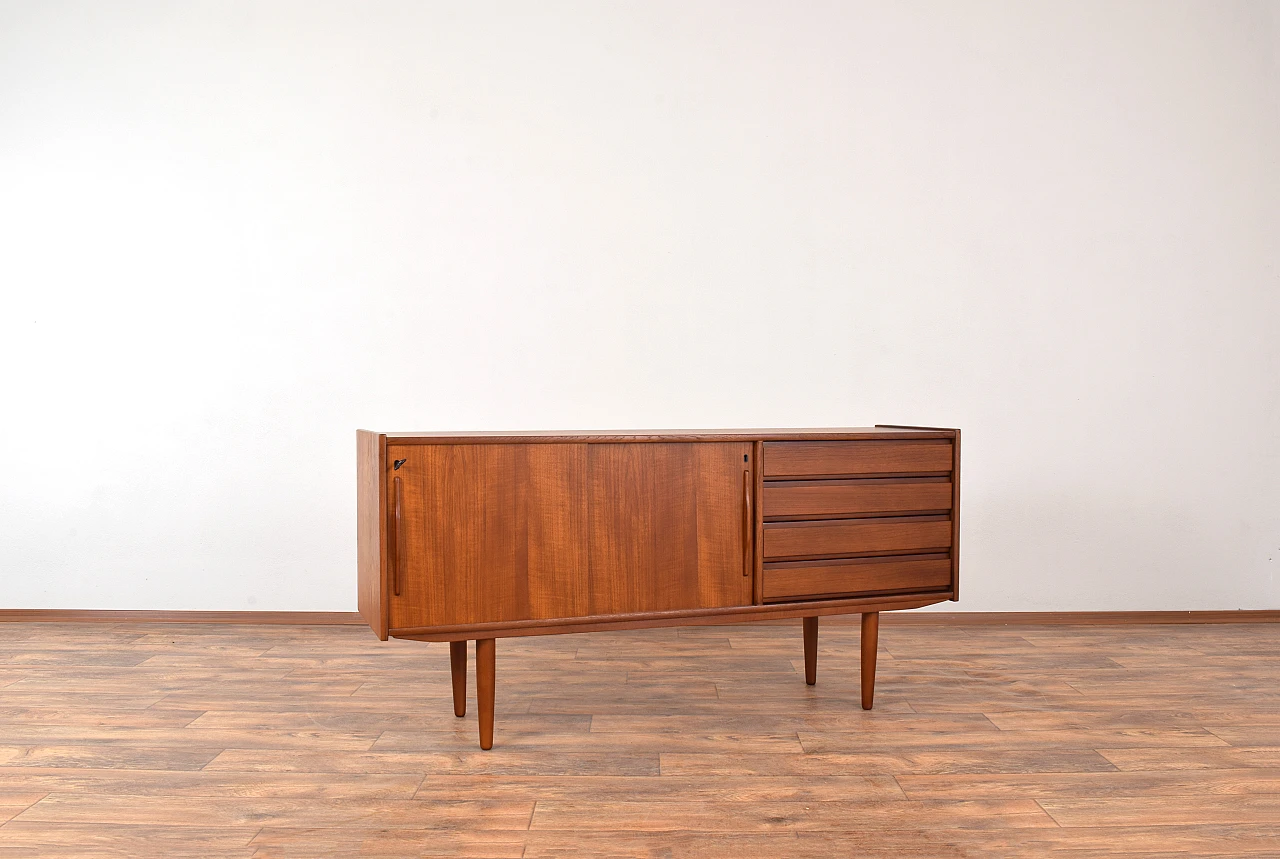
488 535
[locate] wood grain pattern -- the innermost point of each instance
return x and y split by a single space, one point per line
850 537
493 533
797 459
370 514
665 528
1087 741
794 580
804 499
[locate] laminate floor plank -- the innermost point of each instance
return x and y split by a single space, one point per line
202 783
253 742
661 788
945 759
103 839
999 741
463 758
109 756
205 811
274 842
1139 759
1086 785
862 722
613 743
748 816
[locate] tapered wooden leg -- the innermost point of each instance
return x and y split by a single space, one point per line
811 650
484 689
870 640
458 667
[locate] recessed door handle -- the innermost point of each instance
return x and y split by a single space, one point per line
747 522
398 539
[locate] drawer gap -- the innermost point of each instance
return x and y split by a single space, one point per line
884 475
828 517
860 480
943 555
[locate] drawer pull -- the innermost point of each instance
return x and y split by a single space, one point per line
398 539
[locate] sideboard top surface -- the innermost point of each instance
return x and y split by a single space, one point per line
579 436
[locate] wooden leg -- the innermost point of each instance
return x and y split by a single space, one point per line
484 689
458 667
870 639
811 650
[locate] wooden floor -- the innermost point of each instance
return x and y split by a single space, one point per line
236 741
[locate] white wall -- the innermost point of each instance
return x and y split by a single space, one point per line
232 233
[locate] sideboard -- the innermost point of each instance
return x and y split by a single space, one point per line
480 536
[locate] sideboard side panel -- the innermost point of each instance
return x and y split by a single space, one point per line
955 520
665 526
371 514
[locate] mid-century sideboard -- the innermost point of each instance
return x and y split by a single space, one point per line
488 535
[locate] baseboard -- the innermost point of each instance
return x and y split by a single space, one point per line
294 618
916 618
1095 618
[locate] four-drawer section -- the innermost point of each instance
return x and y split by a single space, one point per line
856 518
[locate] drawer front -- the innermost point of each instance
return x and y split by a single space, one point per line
851 458
819 579
844 537
799 499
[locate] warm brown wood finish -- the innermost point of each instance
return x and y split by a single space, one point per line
492 533
845 538
485 687
870 644
218 741
810 650
693 617
812 499
853 458
792 580
371 449
458 674
486 536
665 527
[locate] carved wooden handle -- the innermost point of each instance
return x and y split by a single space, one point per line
398 538
747 522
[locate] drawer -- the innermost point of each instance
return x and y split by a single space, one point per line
825 579
844 537
800 499
850 458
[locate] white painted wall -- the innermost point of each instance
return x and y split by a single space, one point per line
234 232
